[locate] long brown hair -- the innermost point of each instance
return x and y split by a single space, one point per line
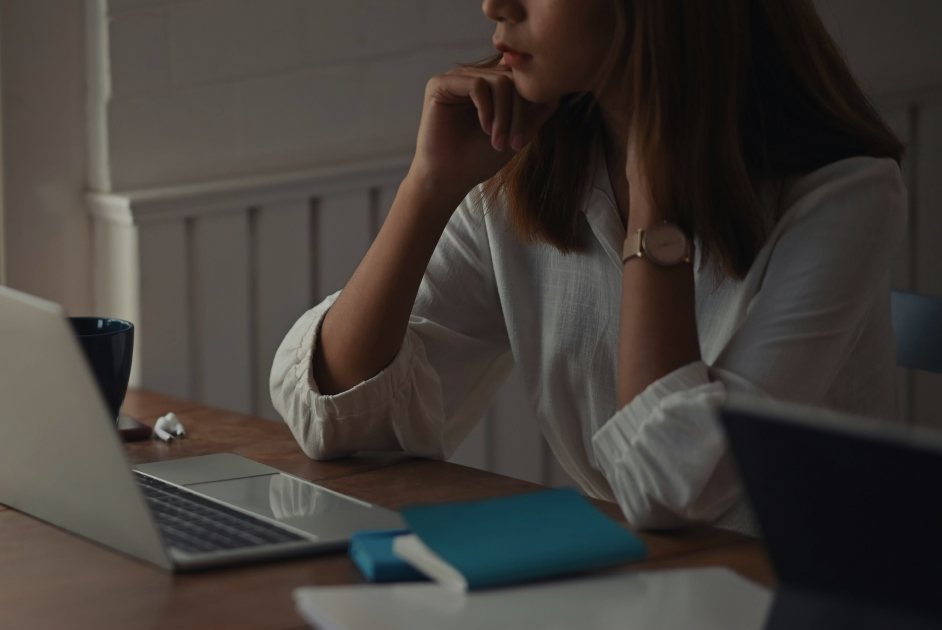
725 95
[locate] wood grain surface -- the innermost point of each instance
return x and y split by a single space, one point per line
50 578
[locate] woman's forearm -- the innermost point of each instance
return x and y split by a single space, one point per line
658 331
468 120
364 329
658 325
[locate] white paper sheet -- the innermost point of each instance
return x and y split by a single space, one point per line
688 599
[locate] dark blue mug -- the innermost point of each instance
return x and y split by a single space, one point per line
108 345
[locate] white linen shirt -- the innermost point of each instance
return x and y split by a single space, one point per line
810 323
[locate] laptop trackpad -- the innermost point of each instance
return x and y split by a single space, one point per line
328 515
205 468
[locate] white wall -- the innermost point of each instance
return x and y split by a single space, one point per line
2 240
213 89
48 232
891 45
208 89
195 91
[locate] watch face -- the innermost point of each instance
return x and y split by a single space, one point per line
665 244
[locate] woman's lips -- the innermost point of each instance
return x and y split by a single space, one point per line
513 58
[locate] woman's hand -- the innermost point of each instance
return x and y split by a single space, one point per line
473 122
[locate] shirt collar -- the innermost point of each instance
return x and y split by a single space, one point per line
601 211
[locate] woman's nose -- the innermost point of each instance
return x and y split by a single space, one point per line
504 10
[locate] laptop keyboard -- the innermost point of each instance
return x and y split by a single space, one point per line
196 525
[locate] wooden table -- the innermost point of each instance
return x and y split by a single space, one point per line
50 578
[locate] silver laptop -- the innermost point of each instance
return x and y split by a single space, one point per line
61 461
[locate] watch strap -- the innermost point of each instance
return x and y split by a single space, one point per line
633 246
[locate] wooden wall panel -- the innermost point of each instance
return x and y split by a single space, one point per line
283 281
163 337
222 312
384 200
928 198
344 233
900 117
117 283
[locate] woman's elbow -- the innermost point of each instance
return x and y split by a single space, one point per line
669 503
319 451
648 513
315 439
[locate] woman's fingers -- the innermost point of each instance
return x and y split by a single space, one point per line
508 118
480 94
503 98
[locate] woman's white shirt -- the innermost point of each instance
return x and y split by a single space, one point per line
810 323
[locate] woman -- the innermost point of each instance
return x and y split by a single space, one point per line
679 200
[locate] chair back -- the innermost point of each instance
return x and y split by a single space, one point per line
917 323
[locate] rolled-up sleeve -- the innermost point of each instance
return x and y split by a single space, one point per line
821 275
664 453
452 360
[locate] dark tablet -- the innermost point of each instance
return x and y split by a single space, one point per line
851 512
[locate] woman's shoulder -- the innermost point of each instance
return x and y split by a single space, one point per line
864 188
480 213
855 175
467 235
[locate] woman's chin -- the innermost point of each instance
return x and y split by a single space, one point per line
532 90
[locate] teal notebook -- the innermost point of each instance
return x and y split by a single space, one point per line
372 552
489 543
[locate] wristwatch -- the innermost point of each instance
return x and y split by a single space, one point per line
663 243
